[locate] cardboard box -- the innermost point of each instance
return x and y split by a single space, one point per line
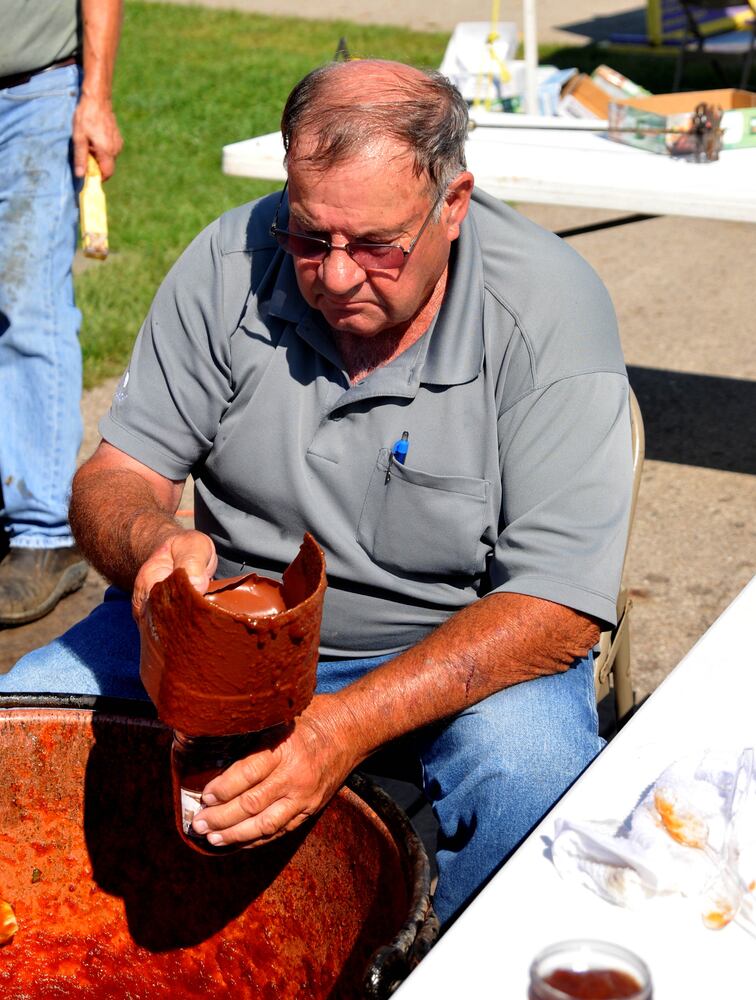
675 111
616 85
582 98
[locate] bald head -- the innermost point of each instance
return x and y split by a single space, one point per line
348 108
380 79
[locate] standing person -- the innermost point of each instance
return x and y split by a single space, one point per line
56 75
433 387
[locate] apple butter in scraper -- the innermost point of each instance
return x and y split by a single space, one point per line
253 596
239 659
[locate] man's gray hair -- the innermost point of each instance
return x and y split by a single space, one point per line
426 114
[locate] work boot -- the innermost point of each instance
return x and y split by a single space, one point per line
32 581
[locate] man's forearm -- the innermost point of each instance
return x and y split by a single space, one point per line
101 24
118 522
499 641
95 129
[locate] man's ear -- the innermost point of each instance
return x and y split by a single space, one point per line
458 196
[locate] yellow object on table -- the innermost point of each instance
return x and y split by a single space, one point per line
93 213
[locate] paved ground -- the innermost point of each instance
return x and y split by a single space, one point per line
683 290
558 22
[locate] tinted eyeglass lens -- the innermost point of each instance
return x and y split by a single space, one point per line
372 256
367 255
302 246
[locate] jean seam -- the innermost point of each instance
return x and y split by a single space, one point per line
54 320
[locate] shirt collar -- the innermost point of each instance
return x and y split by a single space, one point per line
286 300
455 352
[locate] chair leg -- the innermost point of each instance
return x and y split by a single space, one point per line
748 61
717 66
690 34
623 686
679 67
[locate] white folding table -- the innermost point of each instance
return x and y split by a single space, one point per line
550 165
707 701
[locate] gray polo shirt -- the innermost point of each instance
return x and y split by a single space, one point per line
35 33
518 473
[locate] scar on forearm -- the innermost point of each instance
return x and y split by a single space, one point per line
470 677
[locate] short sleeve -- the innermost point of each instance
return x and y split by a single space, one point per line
566 467
169 403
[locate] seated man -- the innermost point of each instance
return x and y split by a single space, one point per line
295 342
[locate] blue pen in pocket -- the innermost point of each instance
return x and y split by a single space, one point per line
398 452
400 449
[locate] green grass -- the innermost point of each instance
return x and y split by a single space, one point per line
190 80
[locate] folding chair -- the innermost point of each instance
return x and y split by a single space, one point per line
698 41
612 665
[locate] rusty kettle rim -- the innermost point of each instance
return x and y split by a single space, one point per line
130 708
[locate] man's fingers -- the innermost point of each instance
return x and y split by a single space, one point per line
106 163
105 158
157 568
195 553
248 796
281 816
249 805
106 149
241 777
80 154
192 551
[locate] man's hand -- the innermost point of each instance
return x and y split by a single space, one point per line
189 550
274 791
95 131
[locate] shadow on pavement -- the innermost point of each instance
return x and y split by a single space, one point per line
614 27
702 420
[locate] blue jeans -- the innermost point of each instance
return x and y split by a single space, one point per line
490 773
40 357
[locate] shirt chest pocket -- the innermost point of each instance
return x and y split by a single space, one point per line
422 524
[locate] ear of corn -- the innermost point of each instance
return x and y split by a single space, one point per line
93 213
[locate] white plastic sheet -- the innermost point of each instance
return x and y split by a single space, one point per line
693 832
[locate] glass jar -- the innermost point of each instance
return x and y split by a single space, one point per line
588 970
195 761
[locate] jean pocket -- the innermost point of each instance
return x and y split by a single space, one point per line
421 524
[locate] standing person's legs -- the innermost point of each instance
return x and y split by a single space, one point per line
40 357
492 772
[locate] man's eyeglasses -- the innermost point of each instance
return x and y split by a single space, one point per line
369 256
